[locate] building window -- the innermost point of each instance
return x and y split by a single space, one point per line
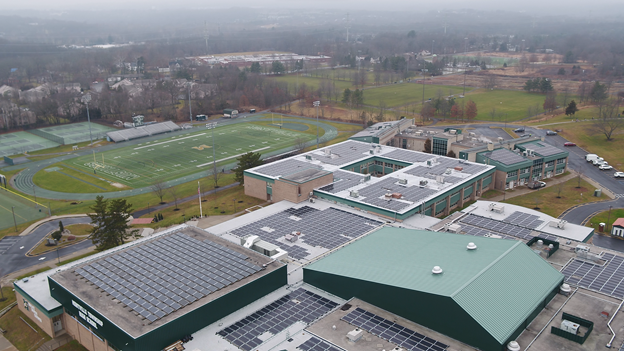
559 171
525 170
379 163
561 160
550 164
397 167
389 165
512 174
438 147
404 144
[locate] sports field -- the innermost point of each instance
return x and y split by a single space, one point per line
74 132
510 105
20 142
174 157
406 93
25 210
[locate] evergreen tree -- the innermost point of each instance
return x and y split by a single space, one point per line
346 96
246 161
427 146
255 67
61 227
571 109
598 92
110 223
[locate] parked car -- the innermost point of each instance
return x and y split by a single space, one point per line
599 162
605 167
519 130
550 132
591 157
536 184
569 143
525 135
618 174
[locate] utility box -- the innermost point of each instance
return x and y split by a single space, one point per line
569 326
355 334
598 192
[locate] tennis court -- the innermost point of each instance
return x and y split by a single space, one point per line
20 142
73 133
174 157
25 210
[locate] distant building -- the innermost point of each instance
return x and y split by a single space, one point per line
618 227
383 132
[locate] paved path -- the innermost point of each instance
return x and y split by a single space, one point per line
5 345
14 258
23 181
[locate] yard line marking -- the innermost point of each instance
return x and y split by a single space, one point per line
227 158
165 142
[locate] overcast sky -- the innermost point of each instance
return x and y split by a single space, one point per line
531 6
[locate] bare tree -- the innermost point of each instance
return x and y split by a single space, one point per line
300 144
560 187
158 188
214 175
579 177
490 82
175 194
608 122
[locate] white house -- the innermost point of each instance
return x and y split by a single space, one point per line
618 227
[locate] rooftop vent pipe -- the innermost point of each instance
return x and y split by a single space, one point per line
436 270
471 246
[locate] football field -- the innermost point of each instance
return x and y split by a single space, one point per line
174 157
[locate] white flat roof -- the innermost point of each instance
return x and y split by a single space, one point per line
570 231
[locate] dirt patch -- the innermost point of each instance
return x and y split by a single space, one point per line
580 190
118 185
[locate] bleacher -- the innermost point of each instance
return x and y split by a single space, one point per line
142 131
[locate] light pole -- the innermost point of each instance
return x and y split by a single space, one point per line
317 104
14 222
86 98
34 193
214 153
189 94
609 217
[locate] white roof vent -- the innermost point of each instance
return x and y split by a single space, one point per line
471 246
513 346
436 270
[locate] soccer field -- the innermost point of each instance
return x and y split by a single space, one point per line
174 157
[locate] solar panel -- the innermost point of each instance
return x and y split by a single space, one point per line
298 306
152 287
286 167
502 228
392 332
607 279
329 228
316 344
505 156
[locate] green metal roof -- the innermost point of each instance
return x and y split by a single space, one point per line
499 284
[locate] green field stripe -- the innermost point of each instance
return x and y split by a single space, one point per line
227 158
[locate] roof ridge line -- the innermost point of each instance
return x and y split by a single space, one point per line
485 269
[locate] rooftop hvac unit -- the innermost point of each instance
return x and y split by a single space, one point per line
525 153
581 248
453 228
458 168
308 157
367 177
448 171
500 139
569 326
558 224
327 152
473 140
403 181
423 183
420 131
429 163
494 207
388 196
440 179
372 151
472 134
354 193
355 335
311 200
291 238
453 131
530 152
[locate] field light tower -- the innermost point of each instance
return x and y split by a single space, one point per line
189 93
317 104
86 98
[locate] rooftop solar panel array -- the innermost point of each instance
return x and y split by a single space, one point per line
374 194
286 167
496 227
408 156
505 156
343 181
607 279
328 228
316 344
392 332
476 231
163 276
299 306
544 149
524 220
342 154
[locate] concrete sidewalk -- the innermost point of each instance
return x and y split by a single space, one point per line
5 345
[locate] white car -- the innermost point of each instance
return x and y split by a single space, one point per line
618 174
605 167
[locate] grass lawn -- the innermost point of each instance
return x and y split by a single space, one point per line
547 201
71 180
585 113
580 133
491 193
42 247
22 336
312 82
72 346
511 104
36 271
9 295
407 93
225 202
511 132
603 217
79 229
